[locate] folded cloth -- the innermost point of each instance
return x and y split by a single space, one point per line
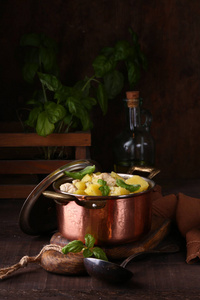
185 211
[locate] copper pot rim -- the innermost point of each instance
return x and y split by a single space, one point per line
56 186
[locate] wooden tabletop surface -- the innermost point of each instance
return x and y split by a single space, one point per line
165 276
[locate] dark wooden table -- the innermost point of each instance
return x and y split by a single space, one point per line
155 277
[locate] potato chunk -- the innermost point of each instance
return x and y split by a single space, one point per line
80 185
93 190
118 191
87 178
80 192
135 179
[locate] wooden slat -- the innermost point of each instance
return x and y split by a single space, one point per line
34 140
19 191
30 166
80 152
10 167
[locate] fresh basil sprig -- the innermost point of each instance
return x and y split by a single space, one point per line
88 249
82 173
130 187
104 188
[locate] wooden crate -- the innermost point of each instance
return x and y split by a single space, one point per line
14 168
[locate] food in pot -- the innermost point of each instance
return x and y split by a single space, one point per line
103 184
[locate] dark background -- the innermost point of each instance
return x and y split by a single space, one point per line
169 32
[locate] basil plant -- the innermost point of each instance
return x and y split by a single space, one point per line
56 107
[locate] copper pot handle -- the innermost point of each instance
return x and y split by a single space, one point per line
151 170
63 199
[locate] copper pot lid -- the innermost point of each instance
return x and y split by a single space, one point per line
38 213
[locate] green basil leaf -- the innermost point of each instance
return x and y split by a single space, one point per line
44 127
101 181
63 93
29 71
114 82
82 173
48 58
89 102
47 42
76 93
134 36
103 65
83 86
104 188
68 118
143 60
87 253
55 112
99 253
130 187
133 74
85 120
74 105
107 51
33 116
76 108
102 98
50 81
73 246
89 240
122 50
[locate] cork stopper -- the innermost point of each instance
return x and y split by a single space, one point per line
132 95
132 98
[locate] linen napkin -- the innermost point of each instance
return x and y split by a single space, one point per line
185 211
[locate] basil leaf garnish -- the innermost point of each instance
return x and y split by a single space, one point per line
80 174
104 188
88 249
130 187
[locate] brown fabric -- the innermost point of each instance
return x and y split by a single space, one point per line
193 245
185 211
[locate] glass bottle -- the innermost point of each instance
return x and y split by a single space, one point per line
134 146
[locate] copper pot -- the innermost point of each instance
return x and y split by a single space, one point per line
111 219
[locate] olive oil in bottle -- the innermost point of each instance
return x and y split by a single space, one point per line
134 146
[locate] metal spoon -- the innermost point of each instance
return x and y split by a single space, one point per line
114 273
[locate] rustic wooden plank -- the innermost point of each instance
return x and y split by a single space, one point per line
15 191
110 294
34 140
80 152
155 277
30 166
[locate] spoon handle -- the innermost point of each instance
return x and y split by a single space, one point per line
169 249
